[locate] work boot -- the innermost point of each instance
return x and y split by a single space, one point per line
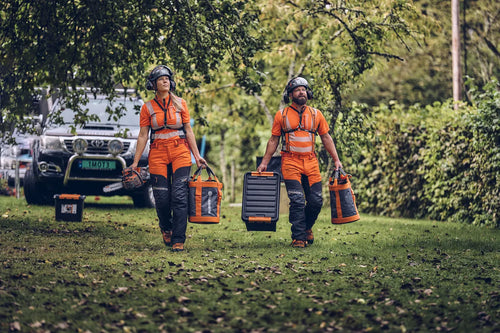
298 243
309 236
167 237
178 247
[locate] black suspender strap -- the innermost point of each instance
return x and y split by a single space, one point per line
165 109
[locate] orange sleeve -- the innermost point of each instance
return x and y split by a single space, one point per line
145 119
185 112
278 119
323 127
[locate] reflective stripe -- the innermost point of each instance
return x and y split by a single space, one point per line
160 188
154 122
288 127
309 127
301 149
296 138
301 138
167 135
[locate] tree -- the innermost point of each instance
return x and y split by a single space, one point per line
103 45
425 75
332 44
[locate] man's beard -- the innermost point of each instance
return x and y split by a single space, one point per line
299 100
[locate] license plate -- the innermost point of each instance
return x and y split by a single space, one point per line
97 165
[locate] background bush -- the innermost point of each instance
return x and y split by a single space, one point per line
430 161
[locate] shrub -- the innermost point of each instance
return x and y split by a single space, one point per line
432 161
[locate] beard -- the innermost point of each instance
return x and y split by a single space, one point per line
299 100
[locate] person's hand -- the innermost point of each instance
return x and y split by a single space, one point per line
201 163
338 165
262 167
132 166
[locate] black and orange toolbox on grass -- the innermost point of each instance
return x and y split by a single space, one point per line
261 199
69 207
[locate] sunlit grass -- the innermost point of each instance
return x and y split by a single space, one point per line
111 272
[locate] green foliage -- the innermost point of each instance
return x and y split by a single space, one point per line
111 272
387 178
104 45
425 75
434 162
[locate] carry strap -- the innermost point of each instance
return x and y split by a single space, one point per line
196 176
339 176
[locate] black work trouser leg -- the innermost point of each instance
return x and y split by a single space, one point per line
297 209
314 201
162 188
180 195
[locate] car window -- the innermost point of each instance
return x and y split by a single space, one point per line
98 107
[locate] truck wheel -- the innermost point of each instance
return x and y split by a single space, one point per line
35 192
144 198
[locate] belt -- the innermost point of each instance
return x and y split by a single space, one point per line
168 143
297 155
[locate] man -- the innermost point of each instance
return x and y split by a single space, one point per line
298 124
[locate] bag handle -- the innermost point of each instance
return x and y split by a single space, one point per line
210 173
340 176
337 172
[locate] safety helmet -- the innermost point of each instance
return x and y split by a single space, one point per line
158 72
294 83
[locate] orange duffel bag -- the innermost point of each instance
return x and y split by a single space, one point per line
204 197
342 199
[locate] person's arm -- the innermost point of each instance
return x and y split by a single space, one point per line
192 145
142 140
330 148
272 144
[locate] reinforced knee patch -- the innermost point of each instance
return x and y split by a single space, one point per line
161 193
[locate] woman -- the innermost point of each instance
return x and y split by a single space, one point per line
171 143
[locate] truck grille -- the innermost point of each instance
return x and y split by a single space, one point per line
96 146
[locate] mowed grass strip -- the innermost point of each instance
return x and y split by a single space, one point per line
111 272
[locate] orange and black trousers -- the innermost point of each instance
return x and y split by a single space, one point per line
170 169
303 185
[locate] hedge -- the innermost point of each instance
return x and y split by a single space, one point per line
426 161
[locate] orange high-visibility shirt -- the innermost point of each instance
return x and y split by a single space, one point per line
299 141
145 117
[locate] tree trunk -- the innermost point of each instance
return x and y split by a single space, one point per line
223 156
455 51
233 181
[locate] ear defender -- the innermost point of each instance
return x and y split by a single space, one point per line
157 72
286 99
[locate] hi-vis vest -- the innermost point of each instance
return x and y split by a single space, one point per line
157 127
299 139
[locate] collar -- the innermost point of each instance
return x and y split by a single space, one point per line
163 103
298 108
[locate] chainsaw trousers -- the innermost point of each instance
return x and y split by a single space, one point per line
303 186
170 167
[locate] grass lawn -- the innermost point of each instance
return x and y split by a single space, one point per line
112 273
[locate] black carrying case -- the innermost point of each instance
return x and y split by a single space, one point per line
261 200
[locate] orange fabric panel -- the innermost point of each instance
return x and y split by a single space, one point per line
199 185
168 151
294 166
145 118
336 188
